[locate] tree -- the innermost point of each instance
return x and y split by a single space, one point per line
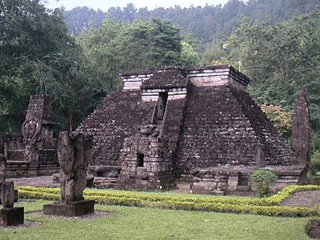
33 48
189 56
37 56
281 59
147 45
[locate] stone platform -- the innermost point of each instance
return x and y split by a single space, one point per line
11 216
73 209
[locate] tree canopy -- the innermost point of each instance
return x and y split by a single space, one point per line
276 43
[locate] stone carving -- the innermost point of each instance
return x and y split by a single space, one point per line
74 155
31 129
7 194
149 130
301 130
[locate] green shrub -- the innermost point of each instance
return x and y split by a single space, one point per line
263 179
315 164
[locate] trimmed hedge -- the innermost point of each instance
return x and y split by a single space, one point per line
265 206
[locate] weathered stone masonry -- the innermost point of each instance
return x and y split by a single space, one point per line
209 132
34 152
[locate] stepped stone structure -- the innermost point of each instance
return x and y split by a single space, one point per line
32 152
198 125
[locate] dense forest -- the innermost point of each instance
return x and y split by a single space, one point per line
76 56
208 25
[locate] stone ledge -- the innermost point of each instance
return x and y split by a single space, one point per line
73 209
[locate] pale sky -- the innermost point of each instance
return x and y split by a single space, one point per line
106 4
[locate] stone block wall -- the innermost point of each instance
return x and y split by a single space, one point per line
116 118
214 130
275 149
222 125
143 162
40 107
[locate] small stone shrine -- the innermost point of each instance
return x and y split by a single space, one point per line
9 215
74 155
143 161
34 151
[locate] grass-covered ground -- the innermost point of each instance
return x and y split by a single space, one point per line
152 223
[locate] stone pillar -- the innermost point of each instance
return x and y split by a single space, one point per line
9 215
7 194
260 157
2 169
301 131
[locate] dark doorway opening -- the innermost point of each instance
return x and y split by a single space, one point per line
140 160
161 106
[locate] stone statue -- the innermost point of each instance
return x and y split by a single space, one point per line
74 155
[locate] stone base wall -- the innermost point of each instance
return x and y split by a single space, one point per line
151 184
46 166
224 180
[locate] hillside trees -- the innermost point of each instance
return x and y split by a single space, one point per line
207 23
31 44
280 60
138 47
38 56
81 18
147 45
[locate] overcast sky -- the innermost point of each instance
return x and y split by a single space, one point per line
106 4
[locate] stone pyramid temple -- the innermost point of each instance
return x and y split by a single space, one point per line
198 126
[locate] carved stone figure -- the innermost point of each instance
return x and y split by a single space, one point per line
74 155
31 129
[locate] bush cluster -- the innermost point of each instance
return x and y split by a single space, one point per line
263 179
266 206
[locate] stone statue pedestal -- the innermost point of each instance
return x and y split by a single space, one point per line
73 209
11 216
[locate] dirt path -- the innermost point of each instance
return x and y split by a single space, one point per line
303 199
43 181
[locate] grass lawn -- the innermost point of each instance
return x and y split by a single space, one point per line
154 224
